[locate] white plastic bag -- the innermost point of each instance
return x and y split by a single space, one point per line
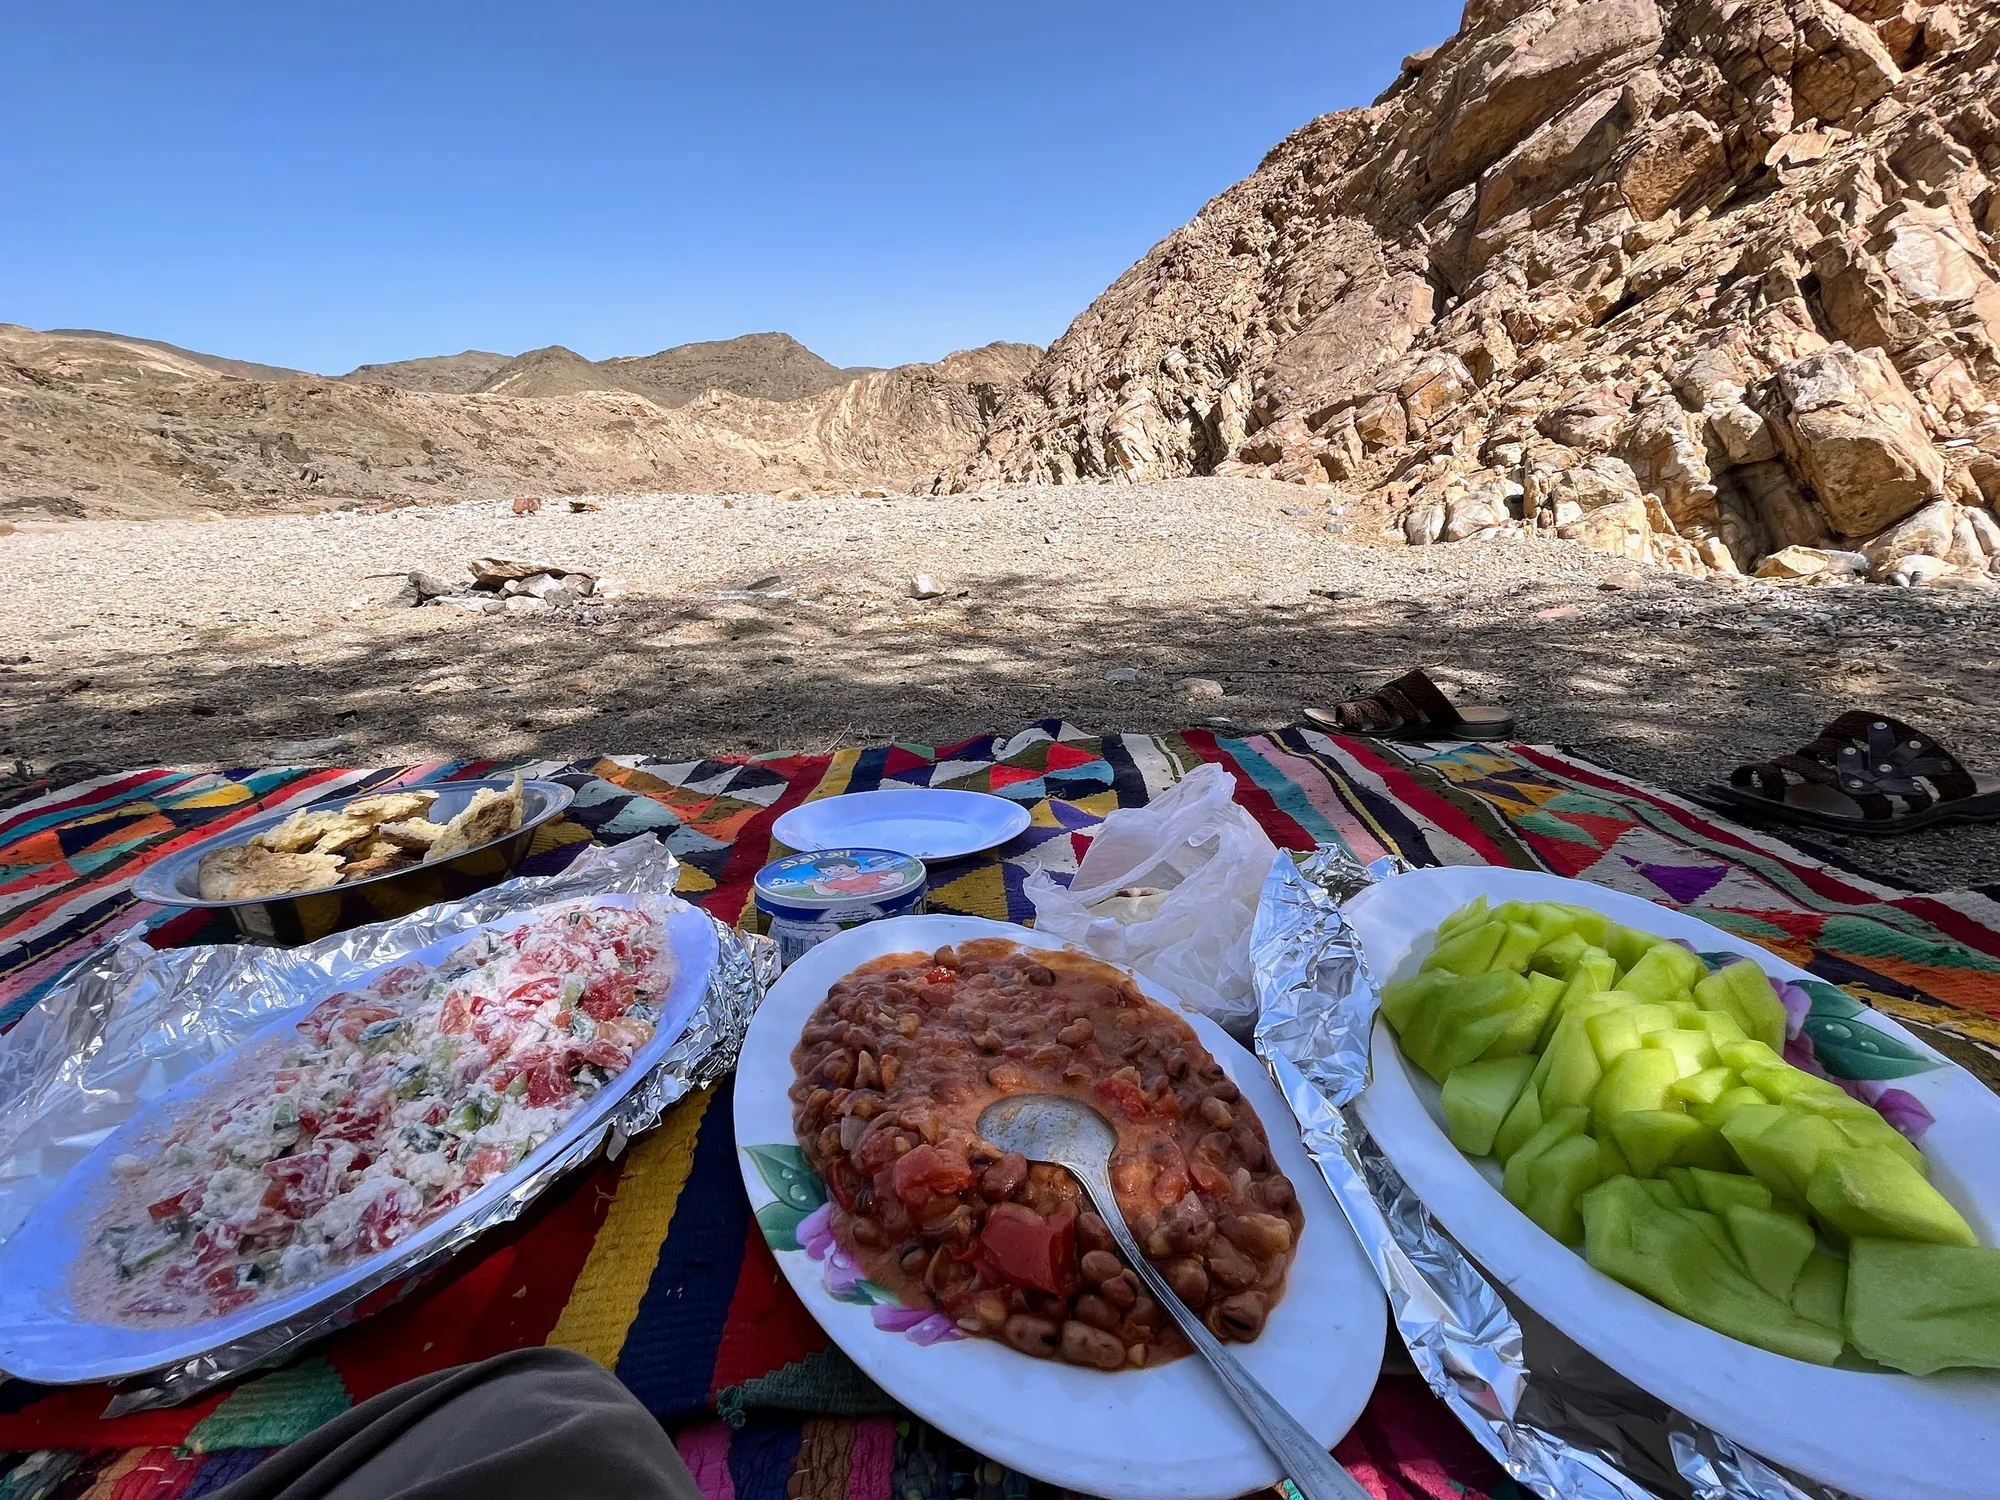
1208 857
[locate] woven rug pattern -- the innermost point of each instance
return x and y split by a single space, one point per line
653 1266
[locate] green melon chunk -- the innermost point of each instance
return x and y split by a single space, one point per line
1719 1027
1782 1083
1638 1079
1404 999
1561 1125
1781 1152
1774 1245
1627 944
1611 1161
1559 956
1705 1087
1924 1308
1526 1020
1716 1232
1870 1129
1742 990
1692 1051
1517 946
1821 1291
1463 1022
1665 972
1671 1256
1747 1054
1729 1101
1655 1138
1522 1121
1661 1192
1590 922
1572 1073
1871 1193
1468 951
1722 1191
1617 1031
1682 1179
1478 1097
1556 1179
1472 914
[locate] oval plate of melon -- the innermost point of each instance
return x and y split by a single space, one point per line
1591 1094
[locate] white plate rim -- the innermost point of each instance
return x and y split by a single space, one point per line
1852 1428
796 827
35 1261
930 1381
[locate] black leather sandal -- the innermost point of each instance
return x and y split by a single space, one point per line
1414 708
1866 773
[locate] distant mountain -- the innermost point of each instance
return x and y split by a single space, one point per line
774 366
453 374
130 427
241 369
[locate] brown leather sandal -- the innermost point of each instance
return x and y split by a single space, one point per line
1866 773
1413 707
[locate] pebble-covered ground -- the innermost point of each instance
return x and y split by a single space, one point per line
748 623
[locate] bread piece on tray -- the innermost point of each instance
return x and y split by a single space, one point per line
243 871
490 815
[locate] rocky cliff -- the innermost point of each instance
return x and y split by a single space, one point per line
1710 282
98 425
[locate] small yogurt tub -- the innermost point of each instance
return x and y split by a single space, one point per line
811 897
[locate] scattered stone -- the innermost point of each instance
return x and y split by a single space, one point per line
923 586
1053 538
1559 612
308 752
1122 675
1201 687
1916 571
1622 582
523 604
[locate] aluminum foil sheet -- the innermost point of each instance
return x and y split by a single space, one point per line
130 1021
1564 1425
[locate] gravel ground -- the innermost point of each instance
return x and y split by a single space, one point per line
748 623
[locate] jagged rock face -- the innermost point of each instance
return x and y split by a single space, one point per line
1695 280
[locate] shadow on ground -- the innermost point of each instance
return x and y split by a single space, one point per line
1660 682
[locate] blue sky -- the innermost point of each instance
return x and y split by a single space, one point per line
321 185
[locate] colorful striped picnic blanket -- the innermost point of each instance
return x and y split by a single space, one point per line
653 1264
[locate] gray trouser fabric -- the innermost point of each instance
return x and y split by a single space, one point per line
536 1424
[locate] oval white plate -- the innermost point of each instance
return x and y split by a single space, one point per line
1163 1434
1878 1435
929 822
43 1335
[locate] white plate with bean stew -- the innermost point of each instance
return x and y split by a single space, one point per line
977 1288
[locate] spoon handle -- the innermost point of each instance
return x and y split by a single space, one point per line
1310 1467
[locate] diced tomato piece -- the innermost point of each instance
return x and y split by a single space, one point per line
1018 1247
227 1302
535 991
152 1305
1207 1175
455 1015
434 1115
931 1172
355 1120
355 1019
300 1185
177 1205
485 1164
600 1053
628 1032
608 995
1129 1099
548 1084
877 1151
284 1080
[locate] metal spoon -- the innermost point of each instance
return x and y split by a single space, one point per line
1069 1133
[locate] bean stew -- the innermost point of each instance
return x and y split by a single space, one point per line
894 1068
